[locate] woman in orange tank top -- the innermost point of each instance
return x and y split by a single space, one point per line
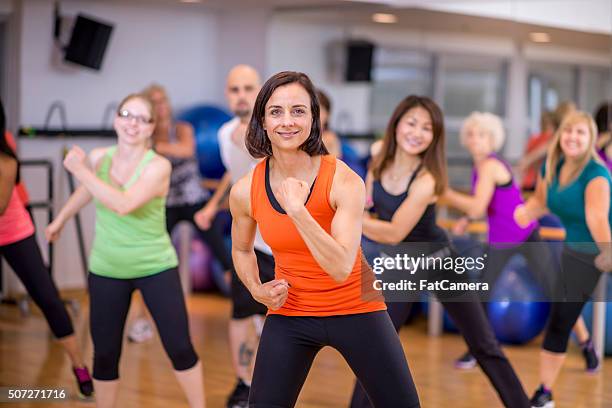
308 207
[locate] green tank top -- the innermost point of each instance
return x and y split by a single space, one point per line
132 245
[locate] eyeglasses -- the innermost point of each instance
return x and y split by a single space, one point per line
127 115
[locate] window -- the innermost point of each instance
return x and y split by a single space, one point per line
596 88
473 83
397 73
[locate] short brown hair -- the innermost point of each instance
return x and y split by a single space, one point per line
257 141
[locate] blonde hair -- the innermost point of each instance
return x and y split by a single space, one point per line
561 111
154 87
487 122
555 152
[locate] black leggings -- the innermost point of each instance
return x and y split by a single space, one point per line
289 345
212 236
538 255
109 305
25 259
470 319
578 280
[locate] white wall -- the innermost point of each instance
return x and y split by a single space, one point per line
582 15
300 46
242 40
175 45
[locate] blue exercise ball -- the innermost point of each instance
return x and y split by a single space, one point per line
352 159
206 121
515 315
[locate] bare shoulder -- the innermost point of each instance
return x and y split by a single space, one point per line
493 164
345 174
240 194
160 163
7 164
425 183
347 184
96 155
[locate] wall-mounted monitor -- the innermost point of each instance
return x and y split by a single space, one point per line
88 42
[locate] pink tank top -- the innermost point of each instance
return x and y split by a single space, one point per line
15 223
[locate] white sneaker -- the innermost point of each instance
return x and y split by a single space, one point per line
140 331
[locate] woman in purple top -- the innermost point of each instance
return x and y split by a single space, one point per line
604 137
496 194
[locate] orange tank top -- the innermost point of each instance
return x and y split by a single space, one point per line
312 291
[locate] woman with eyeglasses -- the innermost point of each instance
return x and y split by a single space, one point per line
308 205
175 141
131 250
18 246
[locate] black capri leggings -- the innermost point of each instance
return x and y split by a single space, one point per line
473 325
289 345
578 280
109 304
25 259
540 260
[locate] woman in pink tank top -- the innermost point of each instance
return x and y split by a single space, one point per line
18 246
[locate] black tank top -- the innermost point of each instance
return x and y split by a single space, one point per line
425 230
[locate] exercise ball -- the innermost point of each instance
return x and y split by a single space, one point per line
200 266
515 315
206 121
352 159
200 261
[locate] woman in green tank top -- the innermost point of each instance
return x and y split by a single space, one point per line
131 250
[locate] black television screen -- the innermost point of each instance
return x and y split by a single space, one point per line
88 42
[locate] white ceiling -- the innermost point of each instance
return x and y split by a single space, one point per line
580 15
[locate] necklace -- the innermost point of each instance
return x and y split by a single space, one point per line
397 177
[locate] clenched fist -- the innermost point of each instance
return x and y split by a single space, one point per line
75 160
292 195
272 294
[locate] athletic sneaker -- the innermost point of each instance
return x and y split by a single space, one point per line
590 356
542 399
239 398
84 382
465 362
140 331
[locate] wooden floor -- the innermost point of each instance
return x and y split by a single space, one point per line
29 358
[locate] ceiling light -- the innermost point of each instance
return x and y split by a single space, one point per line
384 18
539 37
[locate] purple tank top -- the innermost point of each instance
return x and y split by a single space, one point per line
500 213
